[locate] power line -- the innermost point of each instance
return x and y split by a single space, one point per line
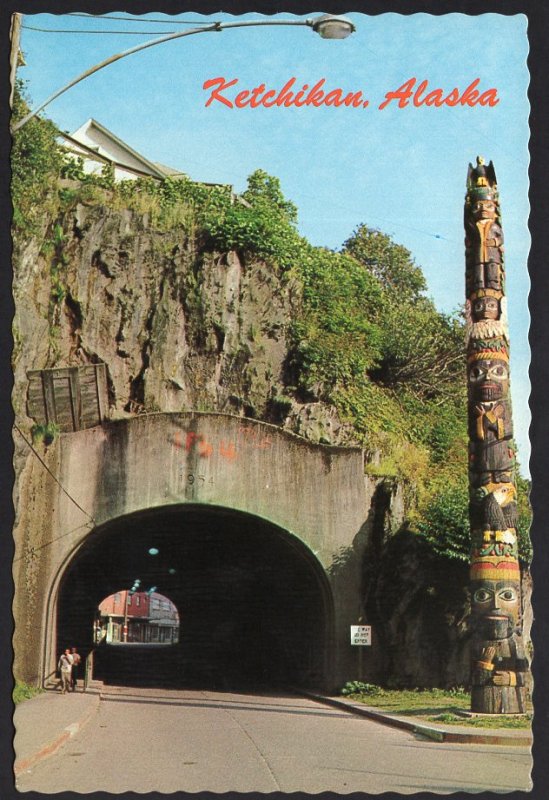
51 541
146 21
74 30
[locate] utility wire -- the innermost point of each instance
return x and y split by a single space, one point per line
147 21
51 541
74 30
58 482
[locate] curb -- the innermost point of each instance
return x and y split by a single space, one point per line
50 749
435 734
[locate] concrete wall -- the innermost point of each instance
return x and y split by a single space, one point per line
317 493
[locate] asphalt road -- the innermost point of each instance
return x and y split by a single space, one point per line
162 740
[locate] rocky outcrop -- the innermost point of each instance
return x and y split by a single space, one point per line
178 328
418 605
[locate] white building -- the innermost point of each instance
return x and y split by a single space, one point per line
98 146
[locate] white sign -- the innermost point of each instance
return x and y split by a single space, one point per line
361 634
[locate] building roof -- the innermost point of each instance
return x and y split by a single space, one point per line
90 130
94 142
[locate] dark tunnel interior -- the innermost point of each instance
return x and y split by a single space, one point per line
254 603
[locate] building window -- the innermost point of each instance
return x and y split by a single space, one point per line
129 599
137 600
117 598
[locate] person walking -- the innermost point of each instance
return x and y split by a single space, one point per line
76 659
65 668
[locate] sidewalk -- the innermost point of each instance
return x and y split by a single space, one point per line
44 723
438 732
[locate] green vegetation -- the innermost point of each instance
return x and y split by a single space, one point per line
35 158
434 705
365 337
499 721
24 691
45 433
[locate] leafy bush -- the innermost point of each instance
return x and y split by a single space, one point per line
24 691
358 687
524 519
445 523
336 339
35 163
264 224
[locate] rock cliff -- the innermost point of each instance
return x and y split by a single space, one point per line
178 327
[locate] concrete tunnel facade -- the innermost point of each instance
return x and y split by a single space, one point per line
268 492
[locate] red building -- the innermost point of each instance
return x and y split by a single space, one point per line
137 617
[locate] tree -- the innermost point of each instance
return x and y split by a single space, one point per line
445 522
422 349
265 224
264 192
392 264
336 335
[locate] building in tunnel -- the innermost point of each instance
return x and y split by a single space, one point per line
134 616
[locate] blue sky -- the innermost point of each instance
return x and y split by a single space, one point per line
400 170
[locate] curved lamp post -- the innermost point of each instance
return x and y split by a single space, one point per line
327 26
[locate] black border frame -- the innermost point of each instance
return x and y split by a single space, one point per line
538 63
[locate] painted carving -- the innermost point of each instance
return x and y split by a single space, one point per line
499 666
483 233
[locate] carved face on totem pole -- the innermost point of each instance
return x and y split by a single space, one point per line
491 447
485 318
495 606
485 307
488 378
483 233
484 207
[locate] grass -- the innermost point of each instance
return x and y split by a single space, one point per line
24 691
433 705
501 721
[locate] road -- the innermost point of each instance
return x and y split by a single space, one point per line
162 740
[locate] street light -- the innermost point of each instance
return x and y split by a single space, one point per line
330 27
327 26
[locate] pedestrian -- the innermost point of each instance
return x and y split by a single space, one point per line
76 659
65 668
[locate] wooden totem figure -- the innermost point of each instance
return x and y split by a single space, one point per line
499 665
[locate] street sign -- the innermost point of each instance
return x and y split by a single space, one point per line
361 634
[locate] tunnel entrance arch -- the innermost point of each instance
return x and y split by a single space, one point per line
315 500
255 604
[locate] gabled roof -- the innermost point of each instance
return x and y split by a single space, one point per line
169 172
148 166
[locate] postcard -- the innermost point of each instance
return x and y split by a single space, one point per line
271 402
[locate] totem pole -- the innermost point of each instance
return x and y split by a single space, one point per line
499 665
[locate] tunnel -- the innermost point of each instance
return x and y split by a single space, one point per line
254 603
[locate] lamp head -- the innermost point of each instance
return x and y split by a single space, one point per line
331 27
